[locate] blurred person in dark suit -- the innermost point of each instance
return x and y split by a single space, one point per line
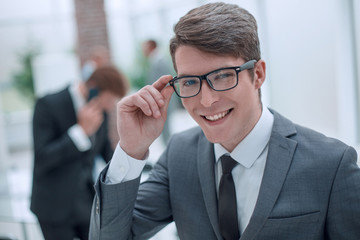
69 131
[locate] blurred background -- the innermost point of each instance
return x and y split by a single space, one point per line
312 50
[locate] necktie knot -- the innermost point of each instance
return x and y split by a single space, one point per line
227 163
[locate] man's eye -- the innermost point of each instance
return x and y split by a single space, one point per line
223 76
189 83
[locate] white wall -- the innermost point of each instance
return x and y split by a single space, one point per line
310 66
48 25
53 72
131 22
356 27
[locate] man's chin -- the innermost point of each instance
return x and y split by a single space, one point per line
214 138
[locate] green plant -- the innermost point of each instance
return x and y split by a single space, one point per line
23 80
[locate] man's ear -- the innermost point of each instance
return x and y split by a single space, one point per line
259 73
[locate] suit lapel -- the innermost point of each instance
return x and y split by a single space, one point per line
206 162
280 154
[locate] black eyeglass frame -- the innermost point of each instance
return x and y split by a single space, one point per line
248 65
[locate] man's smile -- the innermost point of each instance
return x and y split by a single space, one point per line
217 116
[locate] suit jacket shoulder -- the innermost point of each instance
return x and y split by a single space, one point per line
310 143
307 178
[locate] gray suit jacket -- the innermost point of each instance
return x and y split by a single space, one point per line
310 190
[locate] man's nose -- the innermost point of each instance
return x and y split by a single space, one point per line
208 95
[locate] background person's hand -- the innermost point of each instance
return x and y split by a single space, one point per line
141 117
90 117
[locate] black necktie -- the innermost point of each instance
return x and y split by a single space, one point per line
227 201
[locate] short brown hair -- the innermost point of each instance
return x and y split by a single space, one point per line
108 78
218 28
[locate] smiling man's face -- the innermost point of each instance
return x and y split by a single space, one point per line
225 117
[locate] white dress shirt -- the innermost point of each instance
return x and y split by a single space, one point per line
251 153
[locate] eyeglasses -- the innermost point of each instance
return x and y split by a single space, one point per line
221 79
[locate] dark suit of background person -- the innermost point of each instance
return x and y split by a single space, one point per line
62 190
291 182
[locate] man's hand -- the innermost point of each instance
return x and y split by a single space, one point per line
141 117
90 117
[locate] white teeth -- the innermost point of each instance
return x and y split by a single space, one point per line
217 116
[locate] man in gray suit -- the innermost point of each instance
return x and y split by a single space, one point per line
285 181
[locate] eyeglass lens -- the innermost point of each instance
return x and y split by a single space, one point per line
219 80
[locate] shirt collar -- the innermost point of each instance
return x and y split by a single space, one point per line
251 147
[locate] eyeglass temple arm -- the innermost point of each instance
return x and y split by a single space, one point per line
248 65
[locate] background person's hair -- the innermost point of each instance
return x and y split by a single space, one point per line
152 43
108 78
218 28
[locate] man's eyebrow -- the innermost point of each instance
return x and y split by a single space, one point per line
185 74
182 75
